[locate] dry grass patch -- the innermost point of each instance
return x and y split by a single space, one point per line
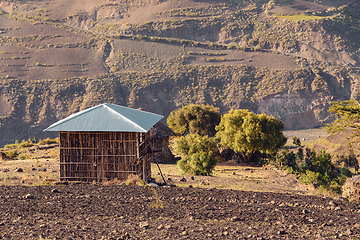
34 171
300 17
231 175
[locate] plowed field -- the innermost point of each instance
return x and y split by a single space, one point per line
88 211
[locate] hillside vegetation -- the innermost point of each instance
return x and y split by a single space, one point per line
289 59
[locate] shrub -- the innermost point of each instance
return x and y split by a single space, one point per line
199 163
315 169
25 144
296 141
48 141
196 154
286 160
309 177
12 154
11 145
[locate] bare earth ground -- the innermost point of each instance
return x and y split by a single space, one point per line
88 211
237 202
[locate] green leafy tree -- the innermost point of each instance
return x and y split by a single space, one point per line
194 118
196 154
348 117
246 133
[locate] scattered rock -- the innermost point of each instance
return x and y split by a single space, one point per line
29 196
235 219
304 211
144 224
6 170
341 200
349 232
19 170
281 232
192 178
55 191
183 179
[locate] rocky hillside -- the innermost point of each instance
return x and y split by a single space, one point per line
290 59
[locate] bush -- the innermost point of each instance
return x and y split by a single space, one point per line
196 154
315 169
13 145
12 154
296 141
286 160
48 141
309 177
199 163
25 144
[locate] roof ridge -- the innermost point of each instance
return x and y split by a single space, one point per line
127 119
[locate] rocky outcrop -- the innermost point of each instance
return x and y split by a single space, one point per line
297 110
351 189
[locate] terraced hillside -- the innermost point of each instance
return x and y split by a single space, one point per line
285 58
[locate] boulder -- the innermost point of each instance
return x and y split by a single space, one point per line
3 156
351 189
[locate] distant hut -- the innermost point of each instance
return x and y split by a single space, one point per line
105 142
160 135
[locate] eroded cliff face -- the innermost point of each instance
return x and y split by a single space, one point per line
298 110
28 107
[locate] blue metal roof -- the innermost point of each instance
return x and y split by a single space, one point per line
107 118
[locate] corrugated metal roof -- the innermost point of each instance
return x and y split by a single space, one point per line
107 118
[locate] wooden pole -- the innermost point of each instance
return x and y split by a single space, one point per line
138 157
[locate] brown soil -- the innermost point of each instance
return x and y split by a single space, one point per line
125 212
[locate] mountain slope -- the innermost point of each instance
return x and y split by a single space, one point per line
285 58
